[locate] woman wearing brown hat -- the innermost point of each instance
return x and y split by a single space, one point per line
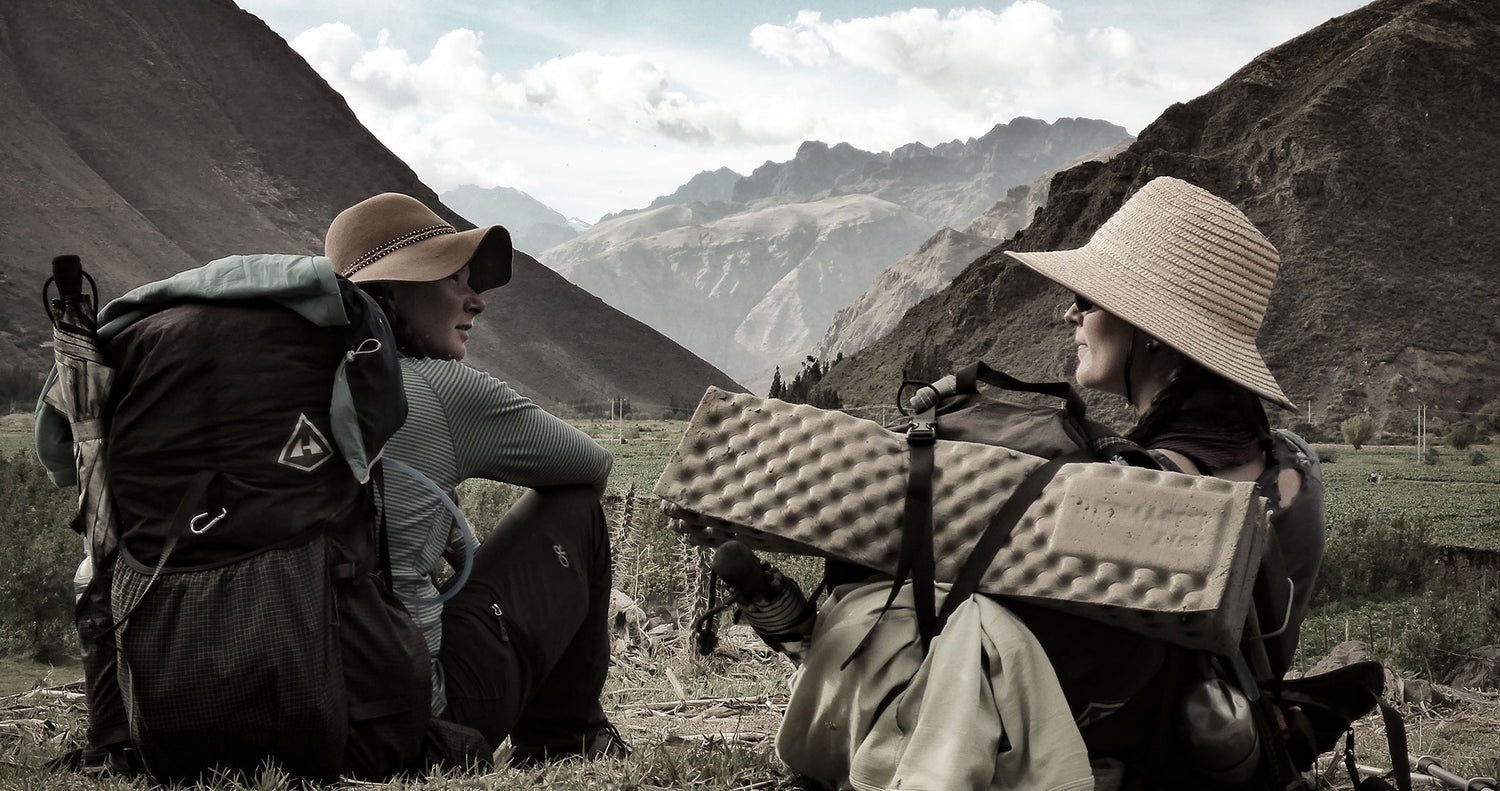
522 649
1168 297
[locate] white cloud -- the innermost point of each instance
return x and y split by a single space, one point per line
980 62
799 43
875 82
613 94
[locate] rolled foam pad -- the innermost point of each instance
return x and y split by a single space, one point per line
1166 554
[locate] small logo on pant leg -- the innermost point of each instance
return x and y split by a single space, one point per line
562 554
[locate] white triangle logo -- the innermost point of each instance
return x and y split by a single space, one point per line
307 448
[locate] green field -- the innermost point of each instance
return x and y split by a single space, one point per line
1459 502
641 449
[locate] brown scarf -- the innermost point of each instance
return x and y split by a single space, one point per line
1204 417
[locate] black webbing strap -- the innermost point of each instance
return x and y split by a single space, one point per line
382 538
916 560
1395 739
969 376
997 534
187 509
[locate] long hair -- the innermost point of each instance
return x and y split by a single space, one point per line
1206 417
384 296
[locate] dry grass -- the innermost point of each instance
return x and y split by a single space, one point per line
701 722
692 721
1458 728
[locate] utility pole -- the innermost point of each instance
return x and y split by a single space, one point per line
1421 432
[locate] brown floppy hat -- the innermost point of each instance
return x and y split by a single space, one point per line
395 237
1186 267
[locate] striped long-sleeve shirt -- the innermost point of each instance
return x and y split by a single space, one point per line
463 423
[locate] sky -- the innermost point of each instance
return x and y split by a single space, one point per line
593 106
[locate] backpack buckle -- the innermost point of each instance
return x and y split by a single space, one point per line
921 432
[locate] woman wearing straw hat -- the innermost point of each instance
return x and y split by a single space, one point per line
1168 297
522 649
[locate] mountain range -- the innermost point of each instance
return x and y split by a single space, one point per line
1367 150
752 280
151 136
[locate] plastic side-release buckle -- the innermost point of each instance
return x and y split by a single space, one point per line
921 432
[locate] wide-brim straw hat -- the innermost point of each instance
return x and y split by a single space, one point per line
1186 267
396 237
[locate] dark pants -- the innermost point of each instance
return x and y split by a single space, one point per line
526 642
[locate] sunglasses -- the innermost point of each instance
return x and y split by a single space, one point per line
1084 304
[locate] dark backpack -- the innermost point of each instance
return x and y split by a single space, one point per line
1132 707
247 616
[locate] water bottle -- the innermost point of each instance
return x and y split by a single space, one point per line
1221 732
82 577
772 603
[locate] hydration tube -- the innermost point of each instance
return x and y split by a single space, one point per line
463 527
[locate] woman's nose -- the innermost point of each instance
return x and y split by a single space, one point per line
1071 315
474 304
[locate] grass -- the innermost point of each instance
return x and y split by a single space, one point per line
707 722
13 441
1457 501
18 673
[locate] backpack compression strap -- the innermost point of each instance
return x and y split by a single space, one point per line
969 377
182 522
997 534
916 558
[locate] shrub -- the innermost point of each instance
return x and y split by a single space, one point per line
1432 457
1489 415
1461 435
1365 557
1441 626
1357 430
1328 456
41 555
1311 432
1478 459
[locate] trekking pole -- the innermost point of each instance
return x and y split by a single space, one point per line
1429 766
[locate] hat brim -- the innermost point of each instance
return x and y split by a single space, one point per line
487 251
1125 292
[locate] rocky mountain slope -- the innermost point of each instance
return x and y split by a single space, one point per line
934 264
1367 150
901 285
533 225
149 136
754 281
949 184
740 286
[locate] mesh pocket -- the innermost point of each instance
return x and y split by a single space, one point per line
227 666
